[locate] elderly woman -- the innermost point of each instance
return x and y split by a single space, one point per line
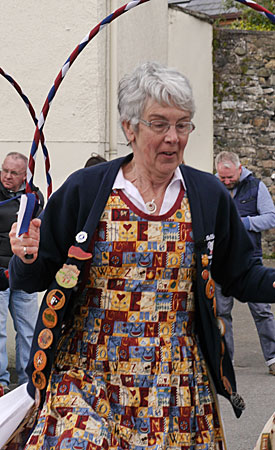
127 352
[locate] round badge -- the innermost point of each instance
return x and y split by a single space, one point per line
204 260
39 379
55 299
210 288
222 354
82 236
45 338
227 385
67 276
49 318
221 325
214 306
205 274
40 360
37 398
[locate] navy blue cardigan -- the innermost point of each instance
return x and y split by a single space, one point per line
223 249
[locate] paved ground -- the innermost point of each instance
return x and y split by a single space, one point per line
253 380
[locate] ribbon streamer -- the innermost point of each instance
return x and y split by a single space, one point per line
258 8
32 113
61 76
27 210
72 58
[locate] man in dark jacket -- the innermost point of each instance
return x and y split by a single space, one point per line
257 212
23 307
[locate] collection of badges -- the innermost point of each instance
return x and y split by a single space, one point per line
210 294
66 277
55 300
132 335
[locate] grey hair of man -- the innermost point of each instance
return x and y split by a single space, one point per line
152 80
227 159
17 155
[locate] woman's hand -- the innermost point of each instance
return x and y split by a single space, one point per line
26 247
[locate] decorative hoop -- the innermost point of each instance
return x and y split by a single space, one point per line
258 8
33 115
40 122
43 115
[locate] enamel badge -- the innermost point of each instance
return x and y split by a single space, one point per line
78 253
67 276
40 360
45 338
210 288
49 318
55 299
39 379
204 260
82 236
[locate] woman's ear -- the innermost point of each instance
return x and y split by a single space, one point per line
129 132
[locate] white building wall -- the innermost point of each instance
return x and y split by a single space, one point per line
36 40
190 50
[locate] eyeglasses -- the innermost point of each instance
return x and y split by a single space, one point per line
13 173
162 126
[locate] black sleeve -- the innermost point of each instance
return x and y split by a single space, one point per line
234 266
58 229
4 280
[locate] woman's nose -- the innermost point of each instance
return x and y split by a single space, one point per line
171 134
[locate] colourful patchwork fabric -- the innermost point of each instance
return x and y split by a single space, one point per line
129 374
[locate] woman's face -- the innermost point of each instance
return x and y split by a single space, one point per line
158 154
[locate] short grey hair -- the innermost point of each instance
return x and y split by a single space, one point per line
227 159
152 80
17 155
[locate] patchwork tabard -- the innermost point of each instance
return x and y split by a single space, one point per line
129 374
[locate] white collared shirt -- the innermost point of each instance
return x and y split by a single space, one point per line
170 196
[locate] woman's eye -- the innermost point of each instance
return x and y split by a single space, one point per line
159 124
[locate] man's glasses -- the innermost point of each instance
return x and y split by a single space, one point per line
13 173
162 126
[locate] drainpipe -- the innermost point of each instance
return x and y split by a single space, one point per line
113 82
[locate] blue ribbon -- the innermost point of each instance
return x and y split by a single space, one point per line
28 213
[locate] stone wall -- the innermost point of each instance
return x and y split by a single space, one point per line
244 104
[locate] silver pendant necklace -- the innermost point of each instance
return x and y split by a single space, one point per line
151 206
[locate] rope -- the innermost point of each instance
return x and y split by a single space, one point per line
258 8
59 79
32 113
